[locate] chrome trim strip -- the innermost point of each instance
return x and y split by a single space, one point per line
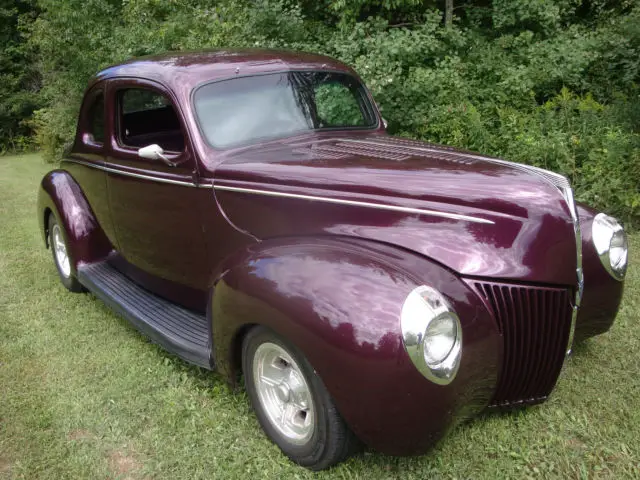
567 193
355 203
380 206
135 175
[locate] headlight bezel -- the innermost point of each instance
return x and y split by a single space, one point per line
422 307
605 230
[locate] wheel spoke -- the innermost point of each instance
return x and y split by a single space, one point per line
301 400
299 390
270 381
288 415
273 372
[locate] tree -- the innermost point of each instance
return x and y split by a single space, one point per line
448 13
19 77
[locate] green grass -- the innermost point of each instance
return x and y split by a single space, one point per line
83 395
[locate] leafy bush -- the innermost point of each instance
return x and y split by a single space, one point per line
551 83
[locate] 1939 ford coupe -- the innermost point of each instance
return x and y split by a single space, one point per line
247 211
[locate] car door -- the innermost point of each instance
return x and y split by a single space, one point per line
85 160
155 206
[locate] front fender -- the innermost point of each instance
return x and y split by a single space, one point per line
339 302
602 293
61 195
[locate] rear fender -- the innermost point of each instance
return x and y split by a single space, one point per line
61 195
339 302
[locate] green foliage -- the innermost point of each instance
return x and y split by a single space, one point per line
353 10
547 82
18 77
337 106
540 15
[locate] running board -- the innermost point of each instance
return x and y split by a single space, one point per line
176 329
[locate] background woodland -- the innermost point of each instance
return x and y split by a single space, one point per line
552 83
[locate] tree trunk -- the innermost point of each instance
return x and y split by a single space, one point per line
448 13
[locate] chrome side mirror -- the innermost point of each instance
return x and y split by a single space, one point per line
385 123
154 152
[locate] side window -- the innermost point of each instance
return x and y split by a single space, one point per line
147 117
337 106
95 118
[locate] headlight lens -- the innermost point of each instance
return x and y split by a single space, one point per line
610 241
432 334
439 339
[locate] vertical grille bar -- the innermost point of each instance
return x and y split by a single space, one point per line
535 323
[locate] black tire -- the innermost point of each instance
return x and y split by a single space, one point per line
69 281
331 441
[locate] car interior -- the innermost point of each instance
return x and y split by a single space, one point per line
147 118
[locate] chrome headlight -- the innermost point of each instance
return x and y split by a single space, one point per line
432 334
611 244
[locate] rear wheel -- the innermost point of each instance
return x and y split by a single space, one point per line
61 256
292 404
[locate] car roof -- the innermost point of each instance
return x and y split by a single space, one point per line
184 70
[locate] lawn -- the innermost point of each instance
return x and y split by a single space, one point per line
83 395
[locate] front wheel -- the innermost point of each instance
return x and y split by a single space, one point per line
61 256
291 402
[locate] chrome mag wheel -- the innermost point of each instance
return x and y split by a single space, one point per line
60 251
284 393
291 402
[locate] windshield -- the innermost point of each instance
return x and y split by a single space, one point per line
246 109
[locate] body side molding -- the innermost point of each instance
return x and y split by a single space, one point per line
355 203
253 191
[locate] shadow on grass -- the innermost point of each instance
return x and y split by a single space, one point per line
212 381
583 348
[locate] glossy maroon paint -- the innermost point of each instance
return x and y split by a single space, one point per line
60 194
330 278
531 238
602 293
340 301
169 239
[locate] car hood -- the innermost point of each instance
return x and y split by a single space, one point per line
476 215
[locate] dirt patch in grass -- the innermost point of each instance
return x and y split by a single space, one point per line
576 444
80 434
5 466
123 464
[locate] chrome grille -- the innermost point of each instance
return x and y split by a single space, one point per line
535 323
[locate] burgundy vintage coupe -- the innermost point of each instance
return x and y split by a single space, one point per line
247 211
